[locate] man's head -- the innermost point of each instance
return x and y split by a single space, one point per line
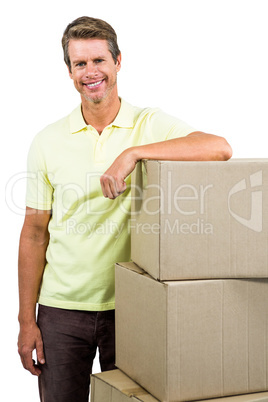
89 28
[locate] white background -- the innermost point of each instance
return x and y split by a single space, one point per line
204 61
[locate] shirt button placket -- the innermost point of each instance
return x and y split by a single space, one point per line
100 145
99 157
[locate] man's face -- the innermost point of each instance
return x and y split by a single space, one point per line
93 69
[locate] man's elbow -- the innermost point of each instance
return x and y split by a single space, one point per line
212 147
224 151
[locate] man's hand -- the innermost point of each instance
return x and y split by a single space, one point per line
113 180
197 146
29 339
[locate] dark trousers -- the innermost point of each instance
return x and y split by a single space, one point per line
71 339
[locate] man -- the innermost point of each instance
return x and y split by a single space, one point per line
78 205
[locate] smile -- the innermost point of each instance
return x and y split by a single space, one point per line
94 84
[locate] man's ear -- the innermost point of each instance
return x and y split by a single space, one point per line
118 62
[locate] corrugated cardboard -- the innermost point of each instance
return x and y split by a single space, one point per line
197 220
191 340
115 386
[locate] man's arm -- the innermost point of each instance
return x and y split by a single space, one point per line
32 258
196 146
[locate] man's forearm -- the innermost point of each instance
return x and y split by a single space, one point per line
197 146
32 260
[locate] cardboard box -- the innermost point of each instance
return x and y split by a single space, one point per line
197 220
115 386
191 340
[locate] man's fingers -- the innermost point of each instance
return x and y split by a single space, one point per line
106 190
112 187
40 351
29 364
29 340
123 187
105 186
35 370
108 186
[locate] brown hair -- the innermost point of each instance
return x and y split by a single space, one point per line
85 28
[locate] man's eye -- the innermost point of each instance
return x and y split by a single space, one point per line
81 64
98 60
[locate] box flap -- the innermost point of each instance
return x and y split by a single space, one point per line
122 383
133 267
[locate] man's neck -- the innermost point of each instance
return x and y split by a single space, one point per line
100 115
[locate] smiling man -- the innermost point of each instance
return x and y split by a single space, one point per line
77 210
93 70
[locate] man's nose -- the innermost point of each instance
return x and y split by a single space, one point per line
91 70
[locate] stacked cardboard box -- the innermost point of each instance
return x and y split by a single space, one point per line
197 220
192 315
115 386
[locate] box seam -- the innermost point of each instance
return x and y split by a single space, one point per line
222 329
159 225
167 343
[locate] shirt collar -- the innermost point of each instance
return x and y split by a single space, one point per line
124 118
76 120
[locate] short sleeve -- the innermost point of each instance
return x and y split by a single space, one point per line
39 191
159 126
171 127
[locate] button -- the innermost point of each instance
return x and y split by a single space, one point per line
99 154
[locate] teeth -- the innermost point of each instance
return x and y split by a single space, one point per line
94 84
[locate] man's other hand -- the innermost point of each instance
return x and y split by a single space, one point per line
30 339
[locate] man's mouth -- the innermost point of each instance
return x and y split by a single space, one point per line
94 84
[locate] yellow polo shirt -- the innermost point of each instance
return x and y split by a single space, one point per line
88 233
